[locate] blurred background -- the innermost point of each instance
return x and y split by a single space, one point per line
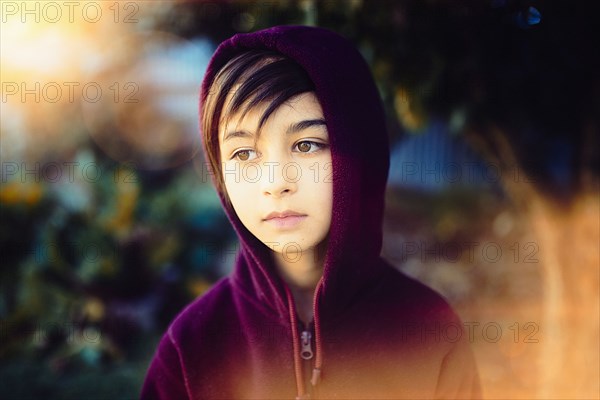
109 224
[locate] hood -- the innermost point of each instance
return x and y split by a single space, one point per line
360 156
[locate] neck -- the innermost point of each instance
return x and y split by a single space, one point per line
302 272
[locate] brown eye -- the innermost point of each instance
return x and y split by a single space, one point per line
304 147
243 155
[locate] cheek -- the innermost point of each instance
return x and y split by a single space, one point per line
327 190
239 192
319 187
327 201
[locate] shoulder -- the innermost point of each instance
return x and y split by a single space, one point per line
190 344
204 313
411 298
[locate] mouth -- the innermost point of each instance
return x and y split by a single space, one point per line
284 214
285 219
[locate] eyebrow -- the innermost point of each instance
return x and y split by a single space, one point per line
299 126
236 134
293 128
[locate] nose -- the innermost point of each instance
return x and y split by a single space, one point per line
274 181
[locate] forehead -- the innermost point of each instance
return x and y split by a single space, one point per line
294 109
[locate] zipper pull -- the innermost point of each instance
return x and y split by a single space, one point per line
306 352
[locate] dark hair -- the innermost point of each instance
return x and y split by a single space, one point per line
261 76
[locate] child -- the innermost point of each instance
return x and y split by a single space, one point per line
295 132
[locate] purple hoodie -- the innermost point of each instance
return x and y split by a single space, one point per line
376 333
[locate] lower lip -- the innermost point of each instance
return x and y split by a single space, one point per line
286 222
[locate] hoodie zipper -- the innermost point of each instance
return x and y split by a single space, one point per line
308 356
303 349
306 353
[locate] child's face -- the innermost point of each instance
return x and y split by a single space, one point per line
280 183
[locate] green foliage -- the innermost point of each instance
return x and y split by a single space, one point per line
85 287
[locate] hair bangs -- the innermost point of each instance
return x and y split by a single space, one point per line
274 83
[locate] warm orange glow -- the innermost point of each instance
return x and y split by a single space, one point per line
71 69
58 40
28 47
